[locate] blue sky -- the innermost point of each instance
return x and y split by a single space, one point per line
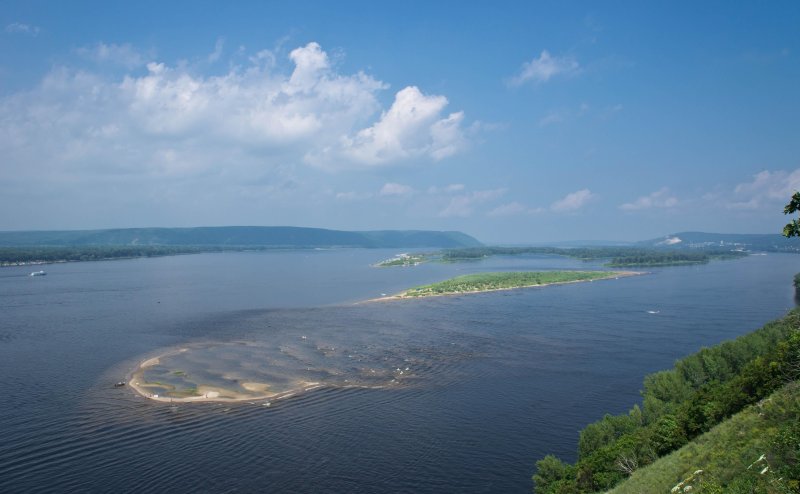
519 122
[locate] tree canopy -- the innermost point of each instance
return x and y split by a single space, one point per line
792 229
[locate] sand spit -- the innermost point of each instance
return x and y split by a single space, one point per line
404 295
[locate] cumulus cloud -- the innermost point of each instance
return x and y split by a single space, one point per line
447 189
170 121
544 68
395 189
552 118
572 201
217 53
124 55
463 205
352 196
20 28
661 198
513 209
765 189
411 128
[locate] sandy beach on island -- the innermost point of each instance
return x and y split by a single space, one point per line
403 295
207 394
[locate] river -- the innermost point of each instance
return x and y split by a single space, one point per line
495 380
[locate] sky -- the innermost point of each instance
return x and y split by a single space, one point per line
514 122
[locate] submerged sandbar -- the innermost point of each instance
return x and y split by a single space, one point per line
253 371
507 280
285 362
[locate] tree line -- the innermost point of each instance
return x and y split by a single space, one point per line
618 256
30 255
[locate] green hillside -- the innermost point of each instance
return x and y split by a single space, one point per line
682 404
756 450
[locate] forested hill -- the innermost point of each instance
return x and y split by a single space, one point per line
767 242
238 236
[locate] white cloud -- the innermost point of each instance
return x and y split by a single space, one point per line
352 196
572 201
124 55
464 205
544 68
447 189
217 53
20 28
395 189
513 209
658 199
411 128
552 118
170 121
766 189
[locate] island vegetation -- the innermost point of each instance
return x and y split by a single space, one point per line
617 256
483 282
685 403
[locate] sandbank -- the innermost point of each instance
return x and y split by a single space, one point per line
404 294
206 393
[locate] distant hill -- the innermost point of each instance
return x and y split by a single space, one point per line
765 242
239 236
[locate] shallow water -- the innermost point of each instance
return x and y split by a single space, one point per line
497 379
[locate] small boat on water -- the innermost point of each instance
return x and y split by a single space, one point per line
119 384
38 273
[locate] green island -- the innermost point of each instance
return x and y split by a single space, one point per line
617 256
485 282
724 420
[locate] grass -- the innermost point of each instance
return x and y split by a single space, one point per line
482 282
729 455
184 393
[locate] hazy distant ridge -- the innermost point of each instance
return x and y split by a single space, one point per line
242 236
769 242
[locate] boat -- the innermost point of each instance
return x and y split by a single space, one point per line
119 384
38 273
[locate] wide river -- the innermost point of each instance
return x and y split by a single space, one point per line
492 381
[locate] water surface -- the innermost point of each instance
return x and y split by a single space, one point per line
498 379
